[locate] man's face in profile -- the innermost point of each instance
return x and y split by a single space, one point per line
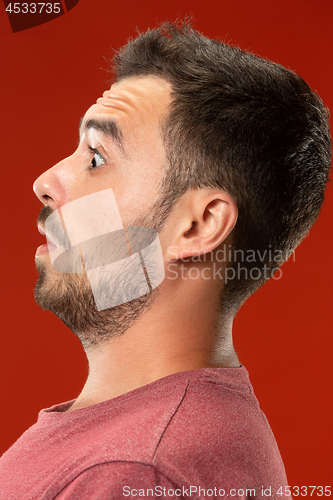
121 148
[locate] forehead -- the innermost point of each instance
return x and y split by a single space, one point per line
144 99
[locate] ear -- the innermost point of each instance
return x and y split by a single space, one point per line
201 220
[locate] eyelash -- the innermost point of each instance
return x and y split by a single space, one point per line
95 152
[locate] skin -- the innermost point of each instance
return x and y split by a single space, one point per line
182 329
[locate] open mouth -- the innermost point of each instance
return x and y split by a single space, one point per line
48 246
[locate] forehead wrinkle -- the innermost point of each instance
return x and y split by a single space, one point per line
122 100
137 98
122 106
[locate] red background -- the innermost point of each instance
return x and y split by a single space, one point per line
50 75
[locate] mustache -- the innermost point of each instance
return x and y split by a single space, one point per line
44 214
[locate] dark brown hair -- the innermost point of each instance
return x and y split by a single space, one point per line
244 124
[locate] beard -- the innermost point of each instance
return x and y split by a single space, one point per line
70 297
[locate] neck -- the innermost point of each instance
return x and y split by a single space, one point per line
172 336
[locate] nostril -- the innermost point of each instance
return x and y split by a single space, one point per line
46 198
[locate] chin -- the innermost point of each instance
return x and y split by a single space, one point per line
70 298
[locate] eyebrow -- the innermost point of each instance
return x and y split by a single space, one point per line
106 127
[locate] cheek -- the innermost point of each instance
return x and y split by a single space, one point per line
134 202
138 190
136 197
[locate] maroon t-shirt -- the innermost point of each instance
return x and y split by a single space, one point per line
195 434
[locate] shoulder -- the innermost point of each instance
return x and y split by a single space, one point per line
217 404
218 432
204 405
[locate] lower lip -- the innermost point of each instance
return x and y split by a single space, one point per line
43 249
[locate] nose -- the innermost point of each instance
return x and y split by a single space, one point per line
50 187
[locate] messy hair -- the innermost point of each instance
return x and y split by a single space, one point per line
243 124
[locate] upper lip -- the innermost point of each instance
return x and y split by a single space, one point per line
41 229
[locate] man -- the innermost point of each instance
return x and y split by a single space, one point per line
225 157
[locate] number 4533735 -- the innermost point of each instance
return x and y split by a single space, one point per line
304 491
33 8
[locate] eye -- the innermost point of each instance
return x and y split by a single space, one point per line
97 160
